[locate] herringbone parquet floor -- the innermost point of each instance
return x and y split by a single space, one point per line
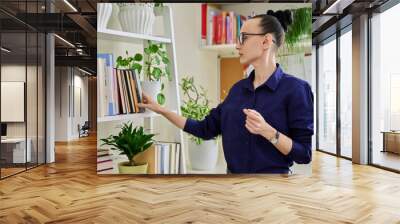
69 191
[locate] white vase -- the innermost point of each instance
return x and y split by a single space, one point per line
137 18
151 88
203 156
104 11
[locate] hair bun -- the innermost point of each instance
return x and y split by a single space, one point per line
284 17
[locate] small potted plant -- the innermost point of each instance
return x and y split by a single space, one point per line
130 142
155 69
203 155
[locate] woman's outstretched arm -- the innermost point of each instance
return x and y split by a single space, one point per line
173 117
207 128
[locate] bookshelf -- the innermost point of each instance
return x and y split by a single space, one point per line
243 10
117 35
116 42
121 117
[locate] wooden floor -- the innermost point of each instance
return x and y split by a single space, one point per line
69 191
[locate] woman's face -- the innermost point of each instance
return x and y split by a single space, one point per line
253 45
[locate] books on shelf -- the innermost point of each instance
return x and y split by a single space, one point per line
119 90
104 162
162 158
218 26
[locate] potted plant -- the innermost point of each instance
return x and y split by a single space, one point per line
130 142
203 155
154 69
136 17
301 26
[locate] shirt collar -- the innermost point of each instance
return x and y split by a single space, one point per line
272 82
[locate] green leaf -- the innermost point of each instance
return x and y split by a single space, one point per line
138 57
157 60
165 60
157 73
160 99
153 48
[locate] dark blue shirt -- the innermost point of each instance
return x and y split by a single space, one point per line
284 101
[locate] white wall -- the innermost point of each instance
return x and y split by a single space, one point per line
68 81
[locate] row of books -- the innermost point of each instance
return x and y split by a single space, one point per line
118 90
162 158
104 162
219 27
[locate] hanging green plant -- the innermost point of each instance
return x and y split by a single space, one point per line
301 26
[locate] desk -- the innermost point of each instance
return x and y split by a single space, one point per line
391 141
16 147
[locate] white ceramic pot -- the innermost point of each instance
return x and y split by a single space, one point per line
137 18
104 11
203 156
151 88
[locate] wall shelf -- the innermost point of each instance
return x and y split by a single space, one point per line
117 35
122 117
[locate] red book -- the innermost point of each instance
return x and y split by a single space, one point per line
215 29
219 30
203 22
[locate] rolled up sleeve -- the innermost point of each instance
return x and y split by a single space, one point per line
207 128
301 123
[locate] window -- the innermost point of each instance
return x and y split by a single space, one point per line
385 89
327 96
346 93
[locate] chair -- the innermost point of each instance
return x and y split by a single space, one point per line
84 130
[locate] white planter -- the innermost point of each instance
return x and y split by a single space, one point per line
137 18
203 156
104 11
151 88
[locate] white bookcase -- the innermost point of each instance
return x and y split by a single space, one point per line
115 41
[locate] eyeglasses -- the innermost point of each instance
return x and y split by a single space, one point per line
242 37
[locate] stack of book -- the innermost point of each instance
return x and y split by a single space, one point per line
104 162
118 90
162 158
219 27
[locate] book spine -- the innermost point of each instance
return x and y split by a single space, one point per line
215 29
223 24
203 23
134 91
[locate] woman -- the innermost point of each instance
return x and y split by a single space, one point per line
266 121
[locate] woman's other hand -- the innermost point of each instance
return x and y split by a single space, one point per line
257 125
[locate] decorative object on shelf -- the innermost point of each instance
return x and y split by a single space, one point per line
130 142
158 8
155 67
104 13
301 26
203 155
136 17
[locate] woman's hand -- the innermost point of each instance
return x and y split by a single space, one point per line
257 125
150 104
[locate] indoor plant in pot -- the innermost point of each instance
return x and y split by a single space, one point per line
203 155
154 69
136 17
130 142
